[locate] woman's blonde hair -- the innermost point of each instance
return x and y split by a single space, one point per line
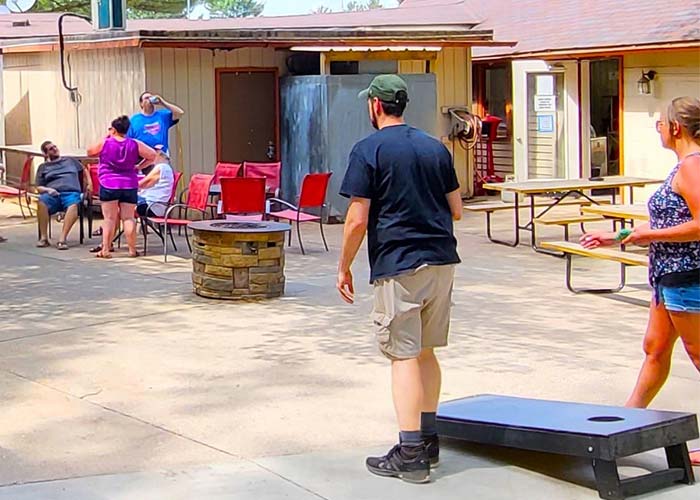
686 112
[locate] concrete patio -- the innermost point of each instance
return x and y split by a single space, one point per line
118 383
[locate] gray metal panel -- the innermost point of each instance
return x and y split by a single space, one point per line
322 119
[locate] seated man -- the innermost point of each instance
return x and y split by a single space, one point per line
58 184
156 188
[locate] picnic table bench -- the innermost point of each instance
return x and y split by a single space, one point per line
623 257
543 219
566 189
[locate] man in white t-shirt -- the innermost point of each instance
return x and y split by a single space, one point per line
156 189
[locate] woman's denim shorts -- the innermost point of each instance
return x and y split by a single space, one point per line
680 299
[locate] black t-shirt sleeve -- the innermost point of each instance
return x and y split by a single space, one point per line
40 180
359 178
449 174
76 165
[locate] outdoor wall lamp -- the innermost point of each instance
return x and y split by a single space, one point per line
644 83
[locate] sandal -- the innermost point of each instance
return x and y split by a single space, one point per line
101 255
62 245
98 249
695 458
43 244
135 255
3 239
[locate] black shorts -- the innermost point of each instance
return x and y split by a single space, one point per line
120 195
143 210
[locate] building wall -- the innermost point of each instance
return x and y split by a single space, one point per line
678 74
453 70
186 77
37 107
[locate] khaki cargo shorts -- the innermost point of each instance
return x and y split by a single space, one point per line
412 311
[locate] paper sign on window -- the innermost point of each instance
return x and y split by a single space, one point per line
545 104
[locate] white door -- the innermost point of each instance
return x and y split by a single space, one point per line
546 120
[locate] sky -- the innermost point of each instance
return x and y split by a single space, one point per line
285 7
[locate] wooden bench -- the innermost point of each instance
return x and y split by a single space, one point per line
497 206
624 258
566 220
546 204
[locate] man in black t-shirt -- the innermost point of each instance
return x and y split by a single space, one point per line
58 184
405 195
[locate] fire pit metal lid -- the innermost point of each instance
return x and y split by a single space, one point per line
223 226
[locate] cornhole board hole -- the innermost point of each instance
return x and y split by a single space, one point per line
602 433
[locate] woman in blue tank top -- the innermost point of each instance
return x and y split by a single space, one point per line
673 236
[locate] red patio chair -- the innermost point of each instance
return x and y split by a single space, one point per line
226 170
223 170
20 190
177 176
313 195
242 198
197 196
271 172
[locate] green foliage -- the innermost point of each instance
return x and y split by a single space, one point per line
235 8
321 9
154 9
354 6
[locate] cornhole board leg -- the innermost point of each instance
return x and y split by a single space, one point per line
611 487
602 434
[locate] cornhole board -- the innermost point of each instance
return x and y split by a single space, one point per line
602 433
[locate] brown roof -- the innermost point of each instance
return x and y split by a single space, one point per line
565 25
401 20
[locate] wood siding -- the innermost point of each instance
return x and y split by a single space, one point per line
411 67
503 157
453 70
678 74
186 77
38 108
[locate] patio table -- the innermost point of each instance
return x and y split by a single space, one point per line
564 187
35 150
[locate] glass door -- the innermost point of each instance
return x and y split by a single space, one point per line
545 120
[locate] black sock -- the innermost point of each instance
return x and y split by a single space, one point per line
428 424
410 438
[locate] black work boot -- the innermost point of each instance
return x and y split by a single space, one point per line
432 445
409 463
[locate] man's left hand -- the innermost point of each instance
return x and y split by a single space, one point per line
345 286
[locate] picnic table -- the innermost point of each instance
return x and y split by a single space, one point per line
623 212
566 188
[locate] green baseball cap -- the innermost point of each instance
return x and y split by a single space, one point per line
385 88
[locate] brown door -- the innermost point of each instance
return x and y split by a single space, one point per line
247 109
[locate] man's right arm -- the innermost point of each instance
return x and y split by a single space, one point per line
451 186
41 181
455 201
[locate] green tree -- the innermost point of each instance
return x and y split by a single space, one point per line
321 9
354 6
136 8
235 8
143 9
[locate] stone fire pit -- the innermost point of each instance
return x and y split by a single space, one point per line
238 260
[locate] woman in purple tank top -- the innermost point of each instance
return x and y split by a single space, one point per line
673 236
120 159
